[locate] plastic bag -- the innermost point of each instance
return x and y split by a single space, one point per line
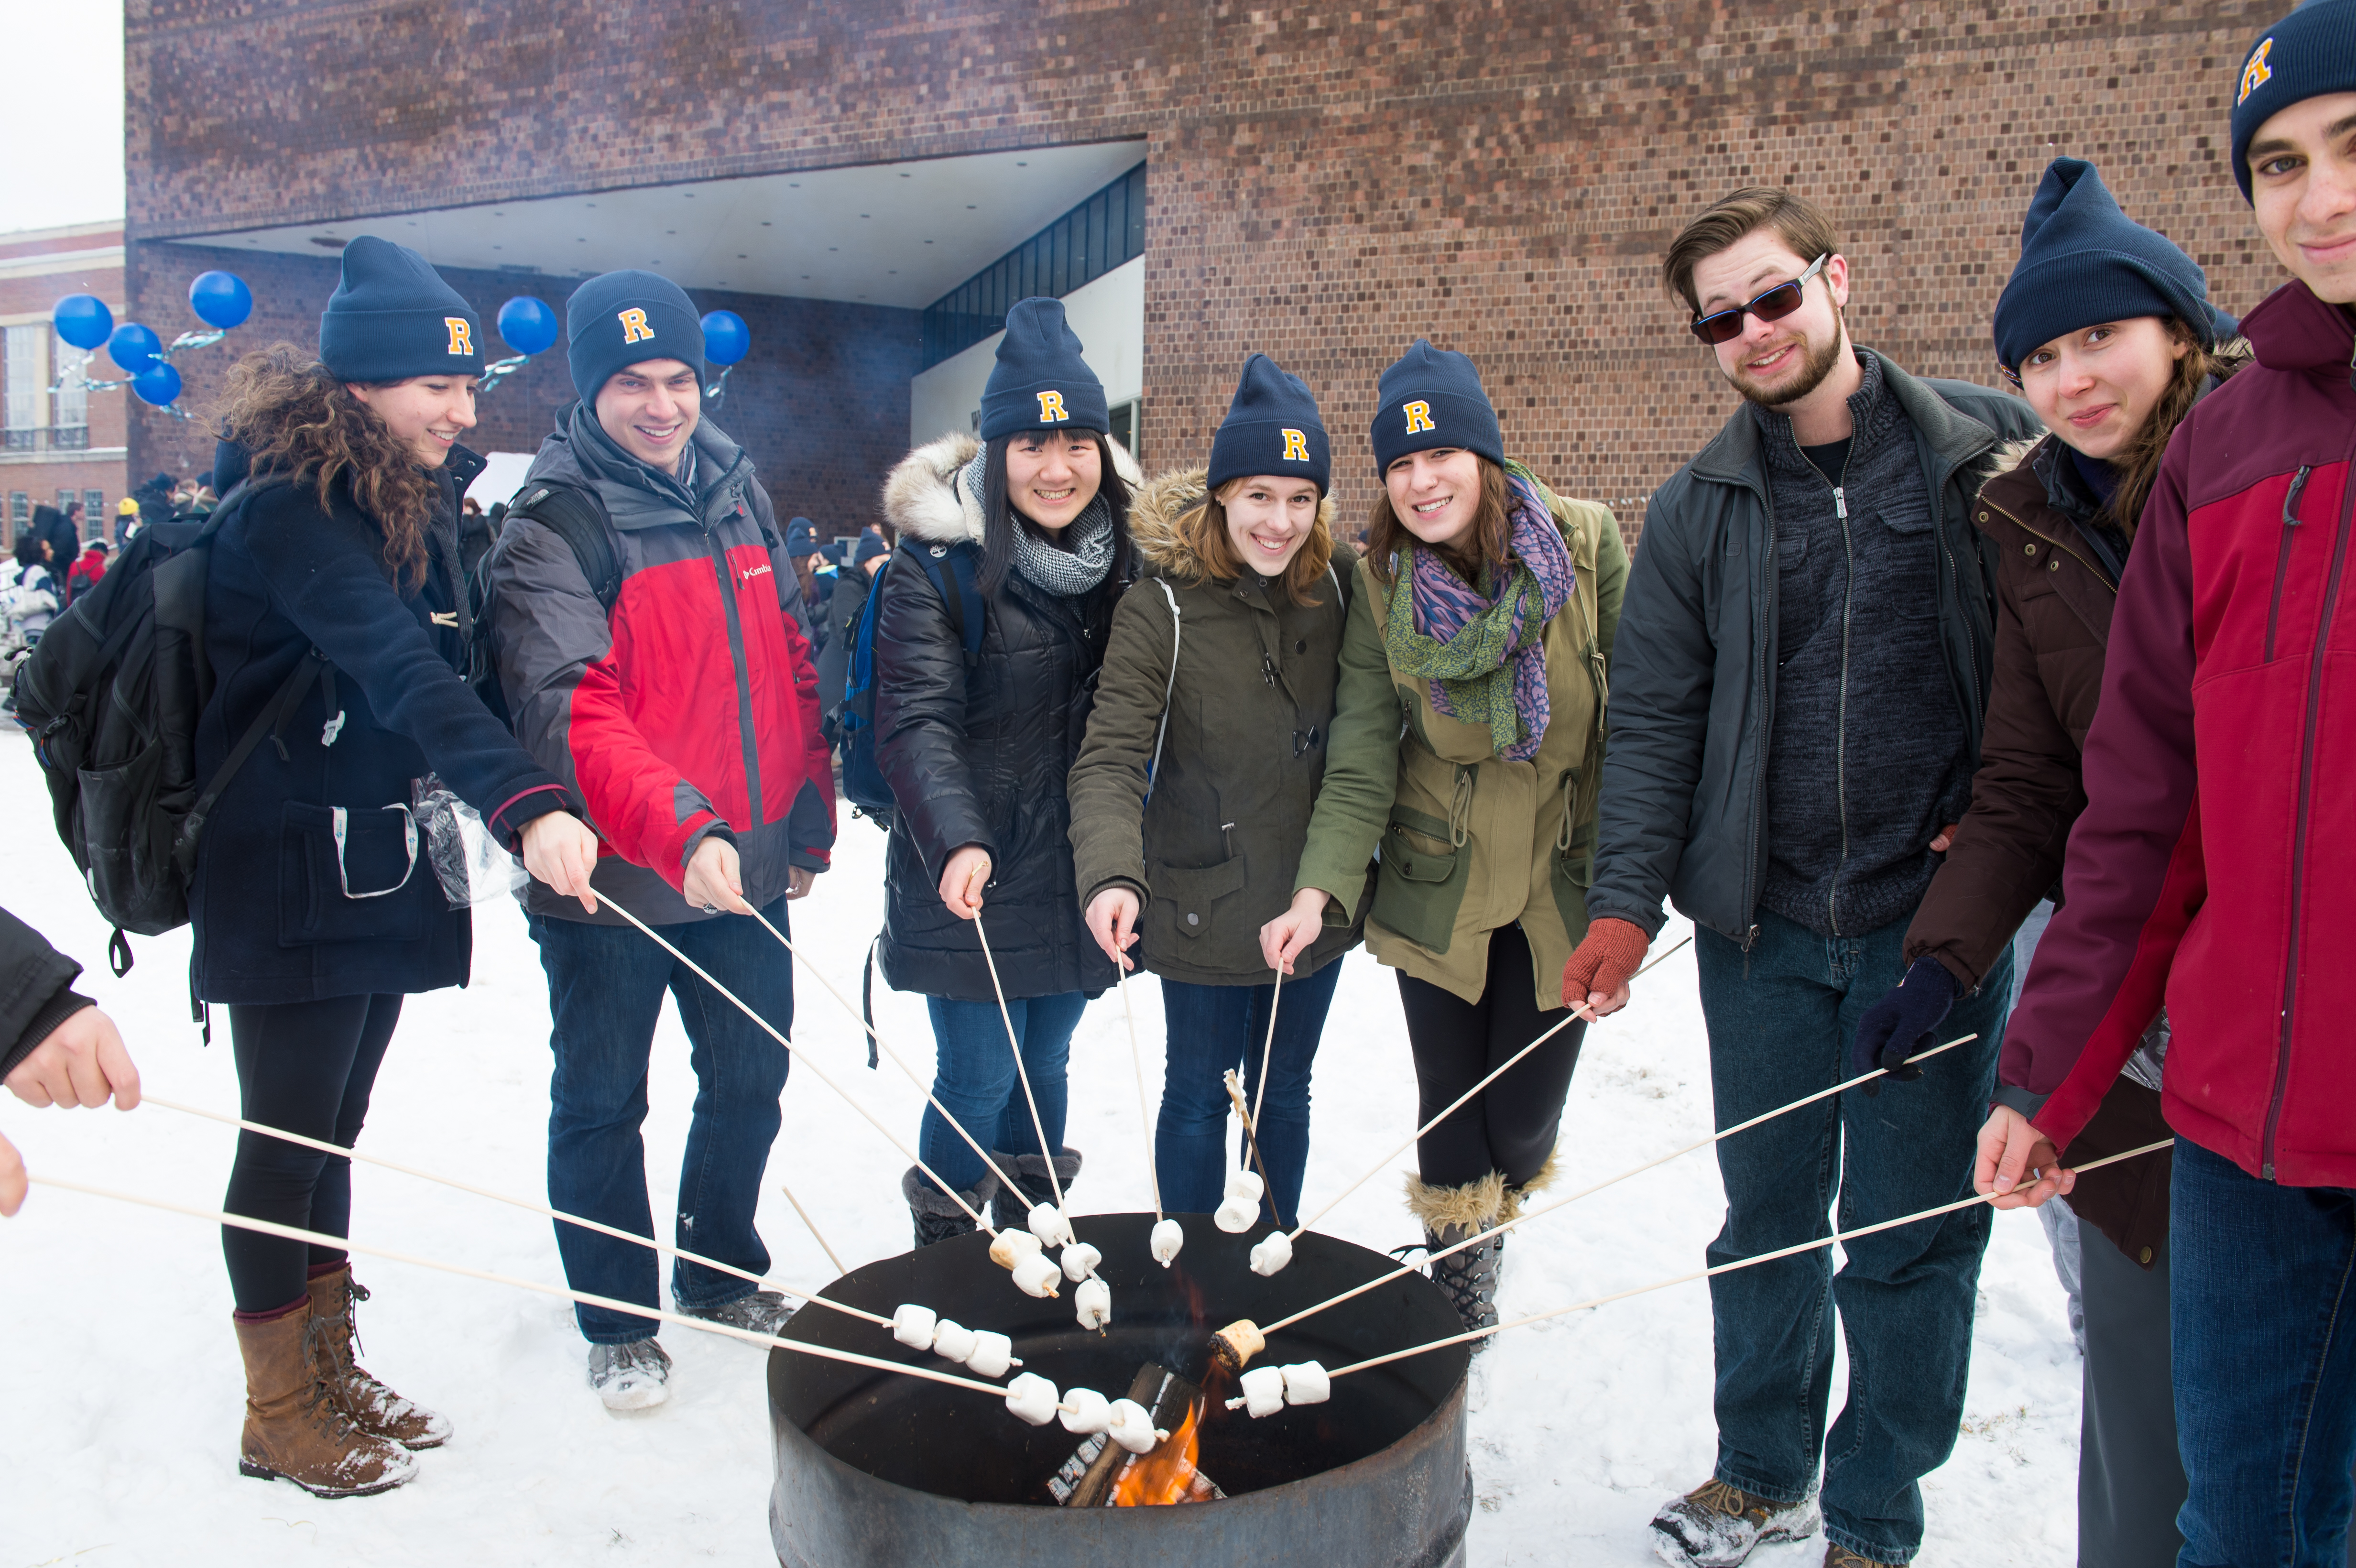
473 868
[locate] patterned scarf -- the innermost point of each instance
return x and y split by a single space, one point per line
1069 573
1483 649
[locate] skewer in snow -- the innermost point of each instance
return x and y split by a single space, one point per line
282 1135
1235 1350
811 1226
1057 1222
1167 1237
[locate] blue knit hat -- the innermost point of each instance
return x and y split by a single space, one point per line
1272 428
392 317
2083 262
2308 53
1432 397
616 320
1040 381
801 540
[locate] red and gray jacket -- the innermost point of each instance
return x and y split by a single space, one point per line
692 709
2214 867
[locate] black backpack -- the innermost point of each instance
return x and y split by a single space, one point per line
954 570
574 516
112 695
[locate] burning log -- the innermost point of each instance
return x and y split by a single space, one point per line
1137 1460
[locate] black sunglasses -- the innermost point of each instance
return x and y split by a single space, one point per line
1776 304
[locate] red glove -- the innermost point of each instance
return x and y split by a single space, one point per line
1607 956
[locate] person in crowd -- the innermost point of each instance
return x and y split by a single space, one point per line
126 520
817 587
88 570
33 601
846 597
977 752
334 623
470 507
686 718
1467 736
154 500
1795 715
2209 871
56 1047
2107 329
64 534
1193 793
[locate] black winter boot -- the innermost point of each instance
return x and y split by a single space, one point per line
1013 1206
1450 1214
936 1215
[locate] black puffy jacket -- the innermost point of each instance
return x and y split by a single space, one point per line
979 755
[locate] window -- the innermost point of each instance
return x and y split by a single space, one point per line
27 380
1101 233
93 515
20 515
1125 420
72 403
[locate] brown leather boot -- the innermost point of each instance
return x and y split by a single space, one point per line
374 1408
294 1429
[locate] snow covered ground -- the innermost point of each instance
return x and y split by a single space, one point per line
118 1427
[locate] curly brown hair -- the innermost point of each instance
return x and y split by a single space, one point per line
298 420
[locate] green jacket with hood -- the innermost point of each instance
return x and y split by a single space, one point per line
1469 841
1249 677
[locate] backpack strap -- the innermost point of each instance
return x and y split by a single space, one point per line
1169 686
578 517
953 573
269 722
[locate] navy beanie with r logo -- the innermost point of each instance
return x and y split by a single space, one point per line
2308 53
1272 428
1040 381
616 320
1431 397
392 317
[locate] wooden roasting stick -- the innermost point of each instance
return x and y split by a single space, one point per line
559 1215
1728 1268
340 1244
1137 1062
1251 1136
1046 1155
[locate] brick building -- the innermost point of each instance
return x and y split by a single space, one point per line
66 446
1323 184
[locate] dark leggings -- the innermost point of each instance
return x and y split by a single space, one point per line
1511 1125
306 1067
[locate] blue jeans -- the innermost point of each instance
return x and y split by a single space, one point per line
1781 1021
606 986
2262 1302
1210 1029
974 1076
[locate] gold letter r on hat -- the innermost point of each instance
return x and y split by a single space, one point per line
2257 73
1051 408
1418 417
633 326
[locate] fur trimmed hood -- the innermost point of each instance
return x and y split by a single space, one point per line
1154 513
922 498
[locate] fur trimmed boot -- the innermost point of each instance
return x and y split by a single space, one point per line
1450 1214
296 1428
936 1215
1014 1205
374 1408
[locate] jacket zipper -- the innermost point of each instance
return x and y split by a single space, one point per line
1766 641
744 676
1840 739
2299 824
2282 557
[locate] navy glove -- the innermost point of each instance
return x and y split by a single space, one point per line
1900 1025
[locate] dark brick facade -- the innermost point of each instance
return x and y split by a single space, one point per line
1326 184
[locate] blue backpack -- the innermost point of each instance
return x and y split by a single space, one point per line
954 570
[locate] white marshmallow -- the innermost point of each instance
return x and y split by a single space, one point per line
1093 1300
1271 1253
913 1326
954 1341
1167 1239
1047 1223
1081 1261
1131 1426
1032 1398
1235 1215
1246 1185
1263 1391
1307 1382
1085 1411
1010 1247
1036 1275
992 1354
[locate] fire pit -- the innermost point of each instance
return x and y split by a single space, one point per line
876 1468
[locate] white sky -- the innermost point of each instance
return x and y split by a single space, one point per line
62 116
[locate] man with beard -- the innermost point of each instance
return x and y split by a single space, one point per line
1797 692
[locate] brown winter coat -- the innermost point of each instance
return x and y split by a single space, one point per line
2053 619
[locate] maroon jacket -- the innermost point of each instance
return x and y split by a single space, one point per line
2212 866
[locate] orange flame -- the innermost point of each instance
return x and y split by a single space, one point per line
1166 1474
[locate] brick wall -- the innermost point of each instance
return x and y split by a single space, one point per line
1325 184
821 402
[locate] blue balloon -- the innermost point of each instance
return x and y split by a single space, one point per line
527 326
134 348
82 320
159 384
220 299
726 338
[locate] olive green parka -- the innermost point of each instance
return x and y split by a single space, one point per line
1211 854
1469 841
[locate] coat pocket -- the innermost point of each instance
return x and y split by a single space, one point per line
132 878
1186 897
1421 882
351 875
